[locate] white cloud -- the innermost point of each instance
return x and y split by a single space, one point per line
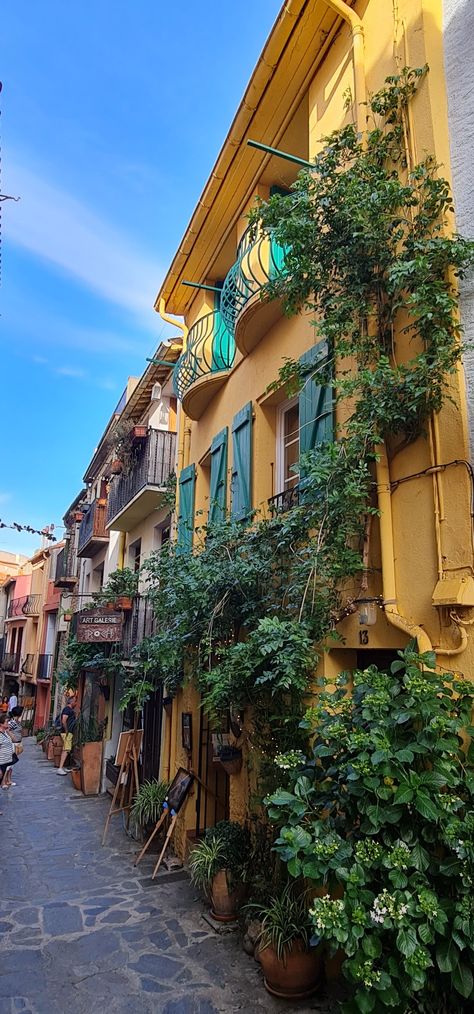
70 371
58 228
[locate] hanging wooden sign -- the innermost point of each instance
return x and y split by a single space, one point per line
99 626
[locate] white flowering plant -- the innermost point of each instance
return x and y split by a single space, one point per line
380 815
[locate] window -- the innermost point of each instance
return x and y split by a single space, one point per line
288 444
134 554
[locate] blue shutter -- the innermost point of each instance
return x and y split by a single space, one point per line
217 505
241 483
315 403
187 485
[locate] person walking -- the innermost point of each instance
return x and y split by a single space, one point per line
16 735
68 721
4 705
6 747
13 701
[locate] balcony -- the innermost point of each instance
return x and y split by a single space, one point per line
139 623
140 490
204 366
25 605
247 312
28 665
93 534
283 502
44 667
11 662
66 566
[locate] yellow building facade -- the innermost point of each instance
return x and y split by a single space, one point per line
238 442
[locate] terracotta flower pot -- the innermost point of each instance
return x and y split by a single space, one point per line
57 750
91 768
139 433
76 778
124 602
116 467
296 976
78 516
225 903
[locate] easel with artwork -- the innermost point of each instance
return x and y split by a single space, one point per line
176 798
127 784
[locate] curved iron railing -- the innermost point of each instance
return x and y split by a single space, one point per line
260 259
211 349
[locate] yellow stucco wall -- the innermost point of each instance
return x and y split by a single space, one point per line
408 32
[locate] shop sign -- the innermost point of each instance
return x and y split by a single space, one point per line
101 625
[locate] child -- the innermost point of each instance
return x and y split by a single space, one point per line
6 746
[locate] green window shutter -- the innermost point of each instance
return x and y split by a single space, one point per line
315 403
187 485
241 483
217 496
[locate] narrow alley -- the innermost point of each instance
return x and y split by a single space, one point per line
83 931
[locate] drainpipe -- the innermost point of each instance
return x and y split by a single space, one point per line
357 29
121 551
388 565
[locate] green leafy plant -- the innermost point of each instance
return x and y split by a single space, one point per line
226 846
120 583
147 805
284 920
383 807
87 730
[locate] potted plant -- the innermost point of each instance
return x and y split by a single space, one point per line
116 467
139 433
40 735
148 804
88 737
230 758
291 967
119 590
219 866
78 516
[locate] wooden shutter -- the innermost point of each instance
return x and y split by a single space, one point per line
316 409
241 483
217 496
187 485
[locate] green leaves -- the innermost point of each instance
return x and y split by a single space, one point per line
407 941
462 979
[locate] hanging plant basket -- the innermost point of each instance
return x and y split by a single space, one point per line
139 433
230 758
67 617
116 467
78 516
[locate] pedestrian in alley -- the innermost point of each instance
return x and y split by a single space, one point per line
13 700
4 705
68 722
16 735
6 747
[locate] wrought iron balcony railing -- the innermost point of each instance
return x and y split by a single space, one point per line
66 567
28 664
92 532
283 502
210 350
44 667
260 259
139 623
153 464
32 606
11 661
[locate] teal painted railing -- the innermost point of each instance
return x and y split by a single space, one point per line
260 259
210 349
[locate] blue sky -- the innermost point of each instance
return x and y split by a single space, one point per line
112 116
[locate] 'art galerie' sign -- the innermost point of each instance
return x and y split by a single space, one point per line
101 625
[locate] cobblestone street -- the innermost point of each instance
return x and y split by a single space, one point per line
83 931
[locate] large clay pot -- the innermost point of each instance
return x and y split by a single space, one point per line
224 903
91 768
57 745
295 977
76 778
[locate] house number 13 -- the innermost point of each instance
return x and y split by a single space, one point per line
363 636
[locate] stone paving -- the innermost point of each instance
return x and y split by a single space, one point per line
81 930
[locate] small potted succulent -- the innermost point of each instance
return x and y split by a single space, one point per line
291 967
219 866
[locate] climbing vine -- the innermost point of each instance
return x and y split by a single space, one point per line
369 252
